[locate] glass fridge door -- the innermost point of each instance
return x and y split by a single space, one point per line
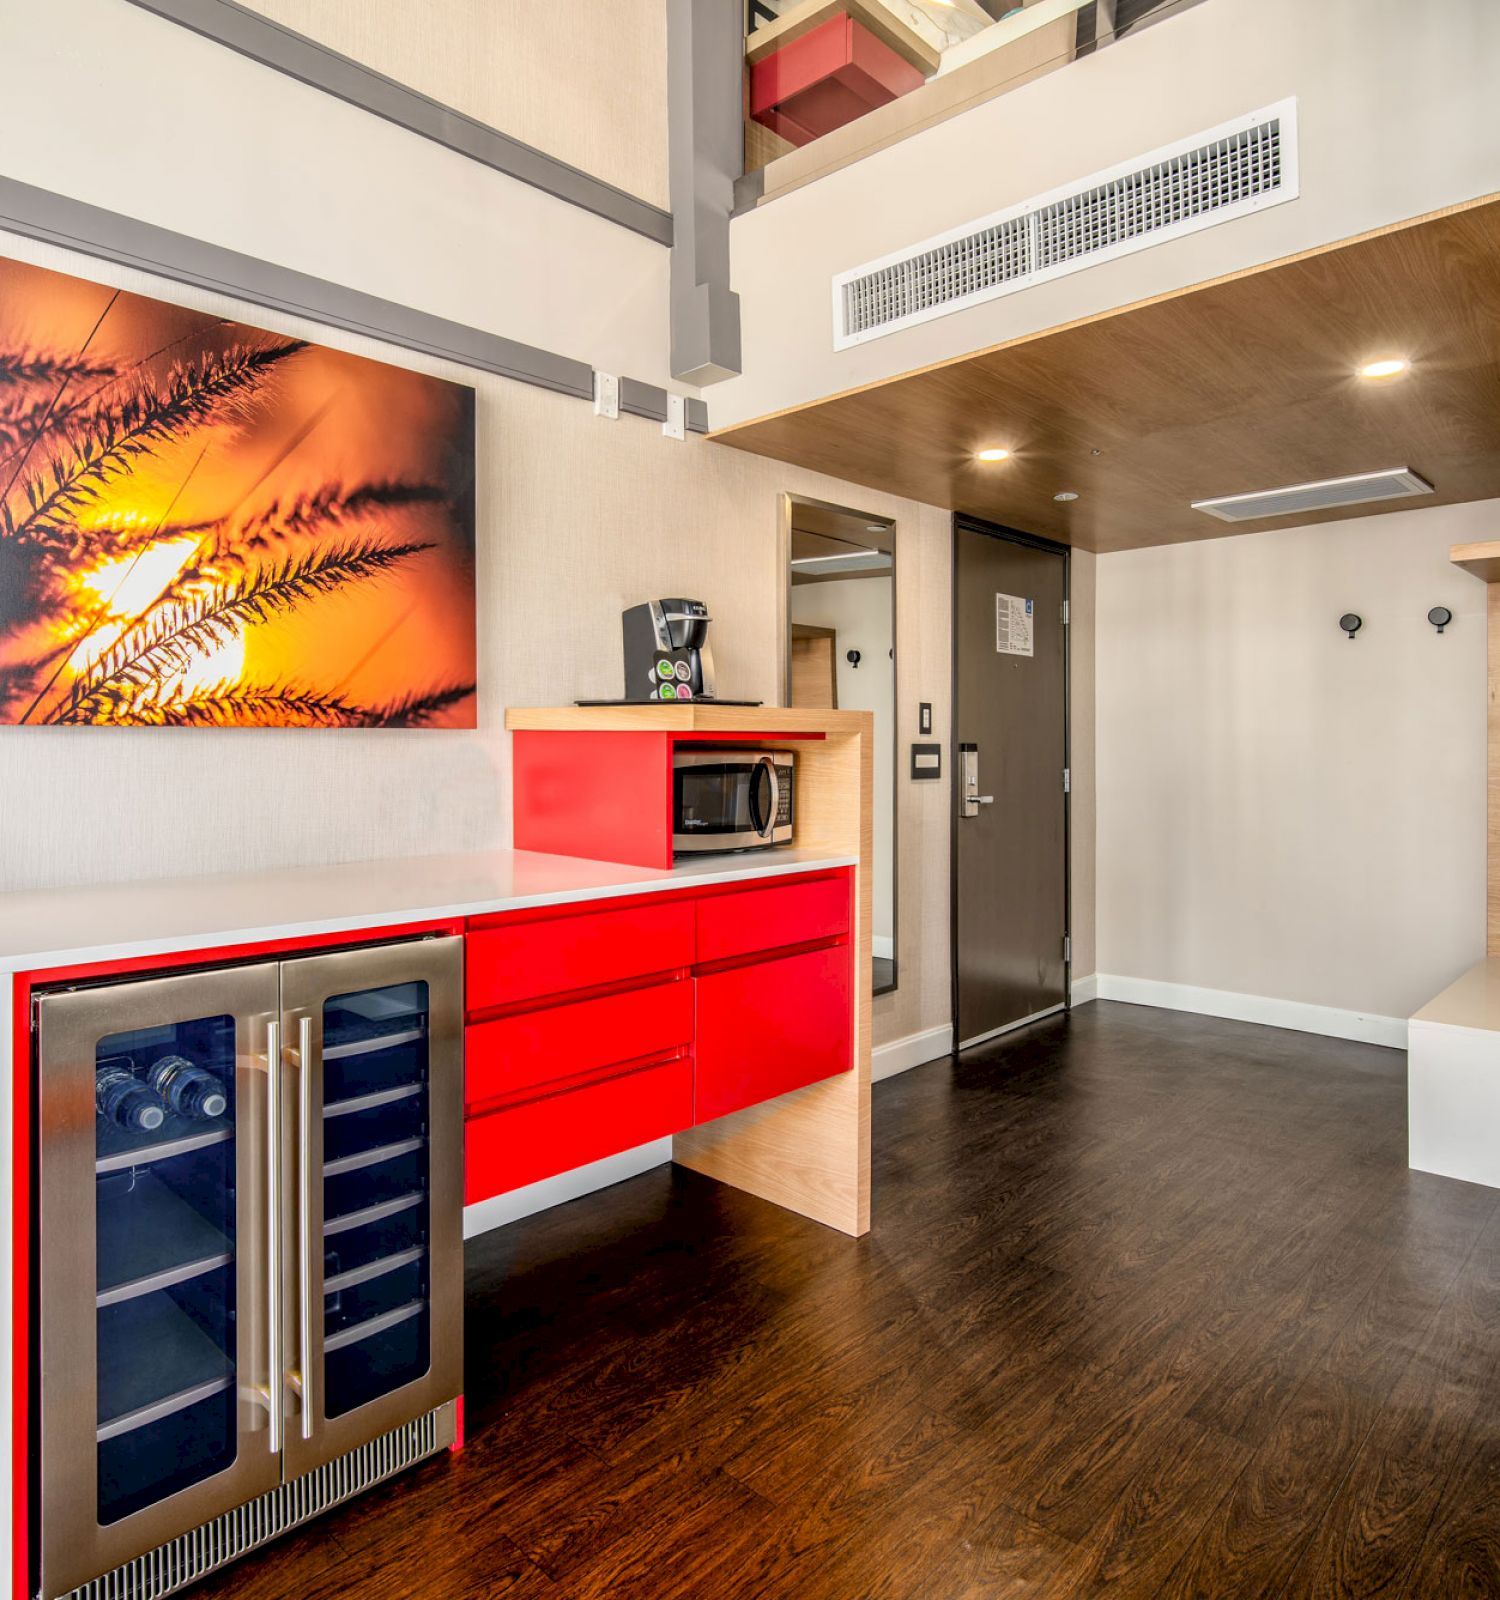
374 1115
154 1348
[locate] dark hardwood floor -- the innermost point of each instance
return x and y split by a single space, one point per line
1152 1307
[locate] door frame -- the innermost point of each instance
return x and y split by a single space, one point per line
964 523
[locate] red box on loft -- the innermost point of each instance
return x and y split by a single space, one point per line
825 78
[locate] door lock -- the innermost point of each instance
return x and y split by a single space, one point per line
972 799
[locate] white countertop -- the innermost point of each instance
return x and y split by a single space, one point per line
72 927
1472 1002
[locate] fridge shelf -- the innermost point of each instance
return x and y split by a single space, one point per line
368 1330
151 1239
365 1047
154 1360
369 1102
119 1148
375 1213
372 1158
374 1269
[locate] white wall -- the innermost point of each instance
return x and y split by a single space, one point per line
860 610
599 104
1396 108
1282 812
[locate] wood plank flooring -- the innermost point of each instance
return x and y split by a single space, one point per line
1152 1307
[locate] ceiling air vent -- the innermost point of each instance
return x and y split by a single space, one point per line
1396 483
1227 172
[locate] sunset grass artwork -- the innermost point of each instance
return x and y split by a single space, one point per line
206 525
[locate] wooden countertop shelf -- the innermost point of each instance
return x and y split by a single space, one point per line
1483 560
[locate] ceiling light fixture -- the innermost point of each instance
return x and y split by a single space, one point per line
1065 495
1386 367
992 455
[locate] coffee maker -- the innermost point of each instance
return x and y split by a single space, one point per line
666 651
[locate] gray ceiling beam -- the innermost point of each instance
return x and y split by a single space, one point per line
706 154
108 235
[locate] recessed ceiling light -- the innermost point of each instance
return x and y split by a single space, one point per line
1386 367
992 455
1066 494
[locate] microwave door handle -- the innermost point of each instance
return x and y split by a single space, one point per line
769 826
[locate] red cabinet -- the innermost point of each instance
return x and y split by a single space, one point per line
515 958
535 1048
771 1027
598 1028
540 1138
805 911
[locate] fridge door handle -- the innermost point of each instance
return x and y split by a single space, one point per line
304 1220
275 1384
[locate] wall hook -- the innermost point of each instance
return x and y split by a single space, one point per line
1351 622
852 657
1440 617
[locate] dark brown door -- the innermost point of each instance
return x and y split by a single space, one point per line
1010 736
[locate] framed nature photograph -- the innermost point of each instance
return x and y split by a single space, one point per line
203 524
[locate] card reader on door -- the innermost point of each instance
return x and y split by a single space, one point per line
972 799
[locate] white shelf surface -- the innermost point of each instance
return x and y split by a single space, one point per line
114 922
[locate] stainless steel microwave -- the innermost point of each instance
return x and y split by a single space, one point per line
731 799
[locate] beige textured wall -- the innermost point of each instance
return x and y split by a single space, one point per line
584 80
578 517
1283 812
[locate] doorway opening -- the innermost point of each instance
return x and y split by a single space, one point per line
840 654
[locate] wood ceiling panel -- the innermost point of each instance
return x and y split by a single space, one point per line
1242 385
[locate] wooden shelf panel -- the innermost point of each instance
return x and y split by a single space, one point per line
1483 560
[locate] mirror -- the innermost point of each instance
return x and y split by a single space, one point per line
841 654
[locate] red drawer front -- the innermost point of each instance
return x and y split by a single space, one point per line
518 961
541 1138
766 1029
535 1048
772 918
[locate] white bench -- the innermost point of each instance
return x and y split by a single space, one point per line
1453 1080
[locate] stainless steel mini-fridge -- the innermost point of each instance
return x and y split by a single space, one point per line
250 1253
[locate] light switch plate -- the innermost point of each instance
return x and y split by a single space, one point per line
926 761
924 717
606 395
675 427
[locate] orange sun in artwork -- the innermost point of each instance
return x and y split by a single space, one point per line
202 524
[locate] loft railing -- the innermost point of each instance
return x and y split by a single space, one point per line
816 66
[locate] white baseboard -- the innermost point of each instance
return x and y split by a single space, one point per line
884 947
1083 990
901 1055
1363 1026
565 1186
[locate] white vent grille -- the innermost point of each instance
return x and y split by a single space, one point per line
1396 483
1227 172
193 1555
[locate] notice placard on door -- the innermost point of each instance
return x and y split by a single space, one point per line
1012 625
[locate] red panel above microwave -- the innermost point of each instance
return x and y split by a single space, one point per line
825 78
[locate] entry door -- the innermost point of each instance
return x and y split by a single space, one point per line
1010 851
371 1118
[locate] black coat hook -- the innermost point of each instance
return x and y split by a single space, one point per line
1440 617
852 657
1351 622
